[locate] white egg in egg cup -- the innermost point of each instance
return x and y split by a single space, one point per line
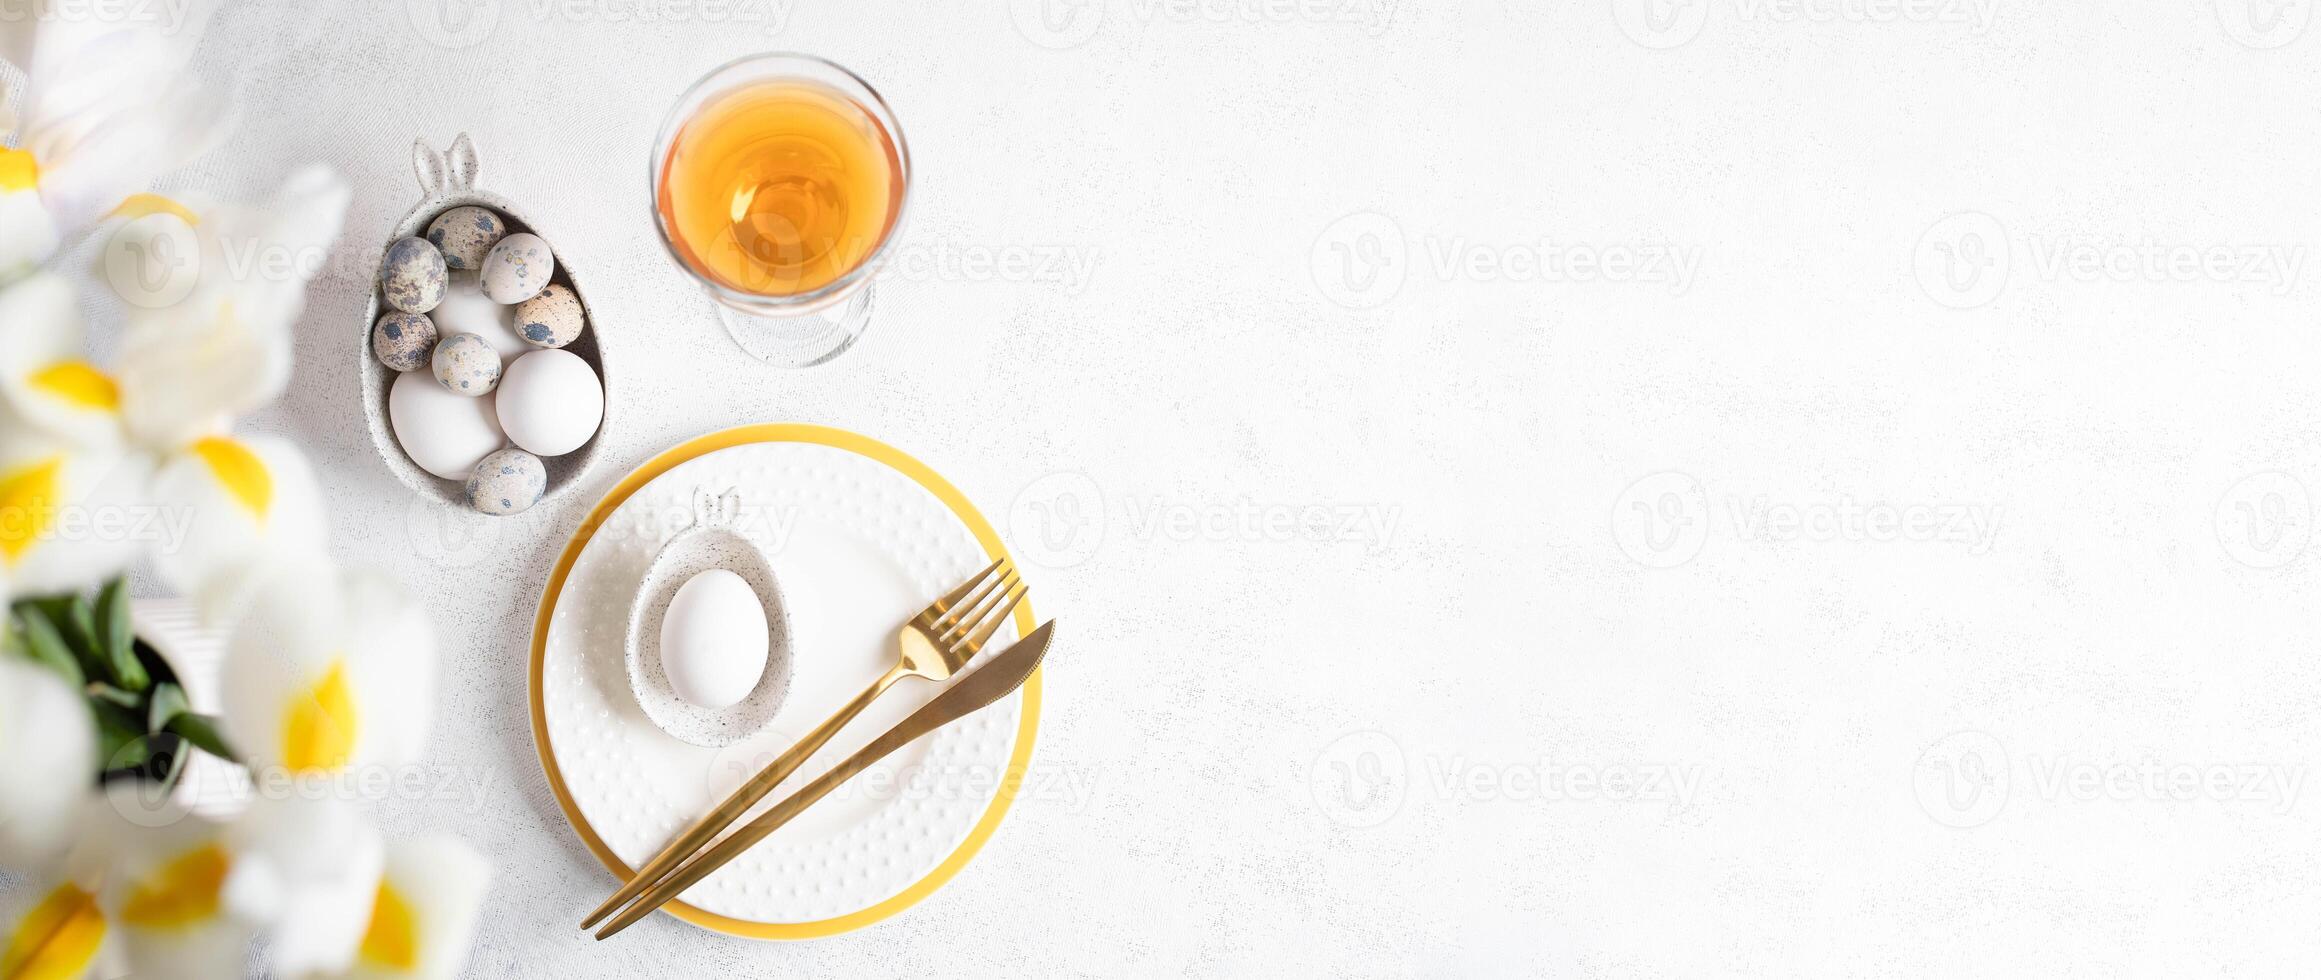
713 541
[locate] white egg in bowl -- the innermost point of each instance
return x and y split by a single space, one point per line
564 402
708 640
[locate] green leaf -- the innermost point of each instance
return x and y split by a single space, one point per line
113 695
120 664
178 750
42 641
57 608
71 617
202 730
80 624
168 702
121 737
114 635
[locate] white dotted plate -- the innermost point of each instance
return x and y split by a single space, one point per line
858 547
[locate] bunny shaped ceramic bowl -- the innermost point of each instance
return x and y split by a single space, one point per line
713 541
446 181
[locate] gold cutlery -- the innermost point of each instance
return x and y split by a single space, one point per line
998 677
935 644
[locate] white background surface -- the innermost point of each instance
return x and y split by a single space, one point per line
1385 651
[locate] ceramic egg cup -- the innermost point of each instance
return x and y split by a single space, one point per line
446 181
712 541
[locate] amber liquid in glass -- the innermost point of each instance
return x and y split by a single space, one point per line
779 188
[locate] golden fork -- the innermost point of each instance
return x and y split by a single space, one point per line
935 644
1000 675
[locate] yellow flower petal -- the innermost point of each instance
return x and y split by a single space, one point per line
18 170
27 506
393 938
139 205
58 940
320 735
183 893
79 383
241 472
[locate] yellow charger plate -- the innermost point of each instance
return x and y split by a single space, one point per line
860 445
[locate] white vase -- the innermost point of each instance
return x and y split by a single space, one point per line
209 786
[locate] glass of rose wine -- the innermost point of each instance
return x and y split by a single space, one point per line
778 183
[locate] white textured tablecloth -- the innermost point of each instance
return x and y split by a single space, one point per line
1528 487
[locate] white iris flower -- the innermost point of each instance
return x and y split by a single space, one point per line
326 672
107 107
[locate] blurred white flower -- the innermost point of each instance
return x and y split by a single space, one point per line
213 295
247 503
68 515
162 876
45 376
423 918
28 234
185 370
68 493
55 931
49 739
107 107
309 869
327 671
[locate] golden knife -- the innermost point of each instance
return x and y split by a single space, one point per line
997 678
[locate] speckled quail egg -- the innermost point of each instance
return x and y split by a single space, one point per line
403 341
518 268
467 365
507 482
465 235
412 276
551 319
